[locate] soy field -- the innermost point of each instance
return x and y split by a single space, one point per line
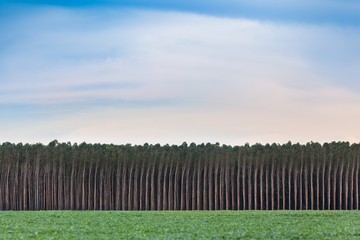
180 225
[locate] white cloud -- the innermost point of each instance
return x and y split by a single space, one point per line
226 80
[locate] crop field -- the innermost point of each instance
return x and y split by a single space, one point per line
180 225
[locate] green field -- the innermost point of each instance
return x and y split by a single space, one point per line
180 225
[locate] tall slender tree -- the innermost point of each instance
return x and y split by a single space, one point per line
176 185
272 184
256 168
205 185
261 166
244 181
290 168
152 184
329 183
216 184
283 185
341 170
336 166
136 185
238 177
301 179
199 185
312 159
353 164
323 179
347 182
357 182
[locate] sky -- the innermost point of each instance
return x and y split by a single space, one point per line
229 71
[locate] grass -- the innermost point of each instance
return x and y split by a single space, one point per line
180 225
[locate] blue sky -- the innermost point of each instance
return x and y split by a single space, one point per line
173 71
305 11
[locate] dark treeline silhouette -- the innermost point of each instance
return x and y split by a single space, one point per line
62 176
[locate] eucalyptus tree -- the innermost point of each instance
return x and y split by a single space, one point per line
154 177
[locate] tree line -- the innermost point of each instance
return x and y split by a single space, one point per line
62 176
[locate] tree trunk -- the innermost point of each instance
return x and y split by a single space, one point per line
216 177
171 186
296 174
306 186
318 182
153 187
89 205
106 192
83 192
267 196
182 189
272 184
29 188
243 182
72 182
341 184
249 184
278 168
352 161
118 205
124 185
357 182
54 186
312 182
283 187
221 185
261 183
199 190
24 179
233 185
323 181
2 180
176 186
334 185
1 185
211 185
227 183
136 186
205 184
147 190
160 185
60 184
131 187
141 190
16 187
329 184
193 188
102 189
7 187
238 182
289 182
37 181
347 185
187 188
256 168
301 179
48 189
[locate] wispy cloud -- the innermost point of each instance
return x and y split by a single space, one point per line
162 76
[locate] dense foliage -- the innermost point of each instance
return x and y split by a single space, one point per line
62 176
180 225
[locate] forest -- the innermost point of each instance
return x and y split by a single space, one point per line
65 176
